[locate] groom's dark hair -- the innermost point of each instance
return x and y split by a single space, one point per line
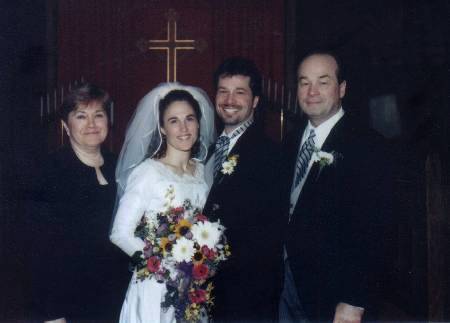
240 66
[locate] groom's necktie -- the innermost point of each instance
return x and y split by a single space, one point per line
303 158
221 151
223 143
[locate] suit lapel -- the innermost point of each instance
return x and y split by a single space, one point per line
334 139
331 144
219 177
291 153
243 144
247 140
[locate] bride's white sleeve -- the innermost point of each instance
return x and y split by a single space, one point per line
130 211
209 171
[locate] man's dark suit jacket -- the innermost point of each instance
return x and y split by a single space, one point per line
335 236
247 202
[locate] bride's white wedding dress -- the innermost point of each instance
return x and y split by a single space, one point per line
146 193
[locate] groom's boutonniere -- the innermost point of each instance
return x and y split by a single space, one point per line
229 165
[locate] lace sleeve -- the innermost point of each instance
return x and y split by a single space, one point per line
131 208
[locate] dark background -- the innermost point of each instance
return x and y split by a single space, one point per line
397 47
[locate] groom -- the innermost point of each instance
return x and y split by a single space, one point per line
245 197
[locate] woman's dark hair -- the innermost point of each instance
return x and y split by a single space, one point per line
84 94
171 97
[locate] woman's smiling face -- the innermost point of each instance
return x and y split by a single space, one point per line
180 126
87 126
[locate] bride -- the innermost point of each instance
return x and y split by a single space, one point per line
165 142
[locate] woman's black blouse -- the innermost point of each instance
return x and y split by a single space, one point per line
82 275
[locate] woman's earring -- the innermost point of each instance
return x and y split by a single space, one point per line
66 128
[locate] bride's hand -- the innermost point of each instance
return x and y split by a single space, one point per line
61 320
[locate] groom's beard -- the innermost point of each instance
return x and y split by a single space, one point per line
234 116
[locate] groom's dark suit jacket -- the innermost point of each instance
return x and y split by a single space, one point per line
335 237
247 202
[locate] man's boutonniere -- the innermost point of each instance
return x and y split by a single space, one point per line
229 165
325 159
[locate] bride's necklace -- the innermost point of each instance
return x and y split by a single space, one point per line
179 170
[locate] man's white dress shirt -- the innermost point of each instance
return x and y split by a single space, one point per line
322 131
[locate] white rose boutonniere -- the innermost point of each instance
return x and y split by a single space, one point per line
229 165
324 158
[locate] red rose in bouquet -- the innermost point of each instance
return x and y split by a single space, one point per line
208 253
201 217
153 264
197 296
200 272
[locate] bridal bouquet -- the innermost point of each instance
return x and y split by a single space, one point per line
183 249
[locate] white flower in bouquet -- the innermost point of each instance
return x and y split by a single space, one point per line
206 233
183 250
170 265
152 221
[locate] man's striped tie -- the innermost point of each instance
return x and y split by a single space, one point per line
221 151
223 143
303 158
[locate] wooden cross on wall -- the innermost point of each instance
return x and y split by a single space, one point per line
171 45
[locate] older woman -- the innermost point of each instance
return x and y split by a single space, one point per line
83 275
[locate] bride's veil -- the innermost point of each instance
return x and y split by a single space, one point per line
143 137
